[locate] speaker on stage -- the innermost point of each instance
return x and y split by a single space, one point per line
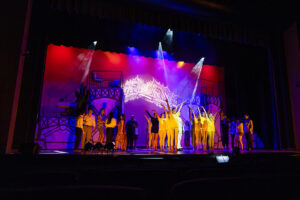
88 146
30 148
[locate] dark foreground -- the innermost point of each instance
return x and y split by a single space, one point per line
142 174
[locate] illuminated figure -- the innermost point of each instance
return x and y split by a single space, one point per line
198 126
192 129
172 126
149 132
204 131
100 125
239 134
162 131
121 139
89 125
154 129
211 128
180 131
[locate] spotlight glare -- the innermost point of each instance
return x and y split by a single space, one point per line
180 64
95 43
169 33
222 159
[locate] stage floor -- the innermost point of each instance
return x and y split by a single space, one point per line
146 152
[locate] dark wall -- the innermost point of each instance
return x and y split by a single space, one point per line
12 21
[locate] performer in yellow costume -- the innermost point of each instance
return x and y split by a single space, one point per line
121 139
198 127
162 130
204 131
211 128
172 127
149 132
239 134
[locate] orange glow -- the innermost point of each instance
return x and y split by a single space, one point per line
180 64
113 58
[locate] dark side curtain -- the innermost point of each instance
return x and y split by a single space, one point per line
248 89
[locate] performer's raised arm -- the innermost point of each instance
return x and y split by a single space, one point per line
204 111
194 114
217 113
149 114
165 110
190 114
181 106
168 105
147 119
156 114
199 110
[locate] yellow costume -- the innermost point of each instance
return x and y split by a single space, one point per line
204 132
162 132
121 139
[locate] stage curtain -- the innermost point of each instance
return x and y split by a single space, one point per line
115 10
248 89
32 80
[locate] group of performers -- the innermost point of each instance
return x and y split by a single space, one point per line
125 138
237 128
165 129
170 125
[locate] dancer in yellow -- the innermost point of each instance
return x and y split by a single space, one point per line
121 139
149 132
204 130
239 134
198 126
101 125
162 130
211 128
172 125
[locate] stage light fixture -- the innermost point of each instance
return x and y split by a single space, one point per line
168 39
95 43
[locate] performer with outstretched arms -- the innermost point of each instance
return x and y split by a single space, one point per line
204 131
162 132
149 132
192 129
154 129
173 125
211 128
169 135
180 125
197 123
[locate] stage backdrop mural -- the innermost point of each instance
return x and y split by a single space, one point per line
145 81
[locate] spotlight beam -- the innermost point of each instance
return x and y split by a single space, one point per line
197 70
87 60
161 56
